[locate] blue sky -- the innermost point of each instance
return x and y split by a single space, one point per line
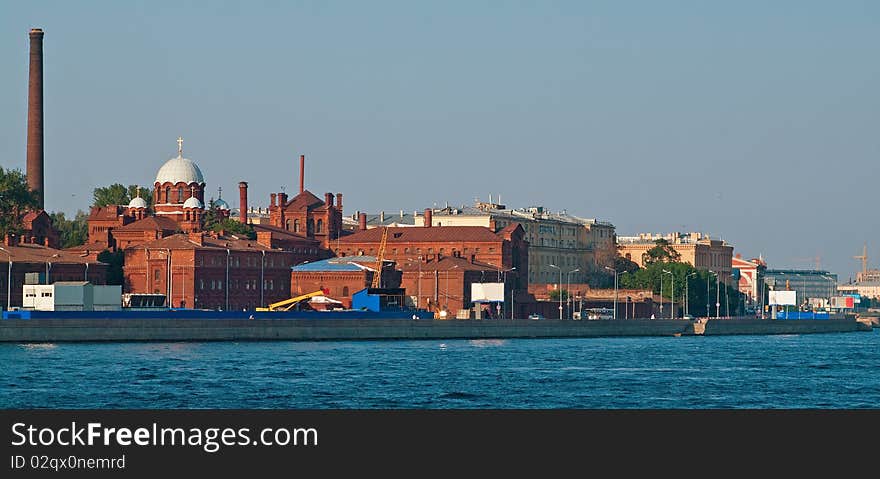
751 120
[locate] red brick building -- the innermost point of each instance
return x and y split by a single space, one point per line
37 229
505 251
51 264
217 270
306 215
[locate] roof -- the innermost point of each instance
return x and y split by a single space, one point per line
283 234
339 264
151 223
34 253
304 200
179 170
183 241
109 212
478 234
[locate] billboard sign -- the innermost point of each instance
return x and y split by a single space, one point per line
843 302
783 298
487 292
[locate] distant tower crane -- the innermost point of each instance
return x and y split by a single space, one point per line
380 257
864 258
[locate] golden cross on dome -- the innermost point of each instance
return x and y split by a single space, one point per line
179 146
138 191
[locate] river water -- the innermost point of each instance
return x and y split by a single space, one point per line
828 371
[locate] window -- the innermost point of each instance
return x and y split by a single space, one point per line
168 194
201 284
345 290
295 226
319 228
156 274
180 195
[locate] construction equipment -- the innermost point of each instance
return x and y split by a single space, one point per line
864 258
287 304
380 257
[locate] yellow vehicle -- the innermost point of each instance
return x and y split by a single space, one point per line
288 304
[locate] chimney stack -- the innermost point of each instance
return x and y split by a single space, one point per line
428 217
362 222
271 200
35 117
328 199
302 172
242 201
339 201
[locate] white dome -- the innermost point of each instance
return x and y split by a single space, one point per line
137 202
179 170
192 202
221 204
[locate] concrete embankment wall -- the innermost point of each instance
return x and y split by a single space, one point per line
718 327
57 330
52 330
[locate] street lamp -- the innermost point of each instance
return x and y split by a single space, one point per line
559 288
615 289
49 265
8 279
687 294
226 286
446 294
262 281
661 297
671 295
568 288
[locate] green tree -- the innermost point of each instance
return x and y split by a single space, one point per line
622 264
119 194
16 198
554 294
115 261
230 225
73 232
662 252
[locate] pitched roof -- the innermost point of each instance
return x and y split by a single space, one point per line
347 263
183 241
477 234
304 200
34 253
109 212
446 263
283 234
151 223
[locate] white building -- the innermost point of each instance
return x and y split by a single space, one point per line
72 296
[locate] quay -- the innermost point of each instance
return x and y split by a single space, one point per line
66 330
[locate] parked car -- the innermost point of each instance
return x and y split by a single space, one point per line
535 316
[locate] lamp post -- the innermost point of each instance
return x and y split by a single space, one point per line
262 281
707 292
568 288
226 286
671 295
661 296
687 294
49 265
8 279
446 294
504 281
615 289
559 288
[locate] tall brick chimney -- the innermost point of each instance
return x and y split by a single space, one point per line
272 200
339 201
328 199
242 201
35 116
302 173
428 217
362 221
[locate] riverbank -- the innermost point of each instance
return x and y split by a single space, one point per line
62 330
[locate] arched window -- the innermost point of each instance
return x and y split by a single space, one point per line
287 225
295 226
345 291
180 195
320 227
168 194
310 227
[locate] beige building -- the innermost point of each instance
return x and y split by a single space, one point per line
698 249
566 241
865 289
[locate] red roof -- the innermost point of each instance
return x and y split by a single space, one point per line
182 241
283 234
434 234
304 200
151 223
446 263
33 253
109 212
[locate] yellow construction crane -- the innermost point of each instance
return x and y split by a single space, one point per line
287 304
380 257
864 258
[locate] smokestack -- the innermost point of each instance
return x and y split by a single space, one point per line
242 201
428 218
35 116
339 201
271 200
302 173
362 221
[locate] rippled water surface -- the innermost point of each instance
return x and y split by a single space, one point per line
786 371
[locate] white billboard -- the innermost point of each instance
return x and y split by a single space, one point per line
783 298
487 292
